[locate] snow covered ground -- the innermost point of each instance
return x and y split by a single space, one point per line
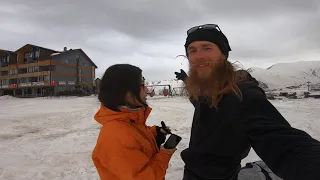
53 138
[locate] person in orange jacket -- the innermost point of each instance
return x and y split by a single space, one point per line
127 148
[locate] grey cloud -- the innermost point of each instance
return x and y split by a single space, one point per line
151 33
257 9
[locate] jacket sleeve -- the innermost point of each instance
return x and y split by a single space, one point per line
290 153
153 129
130 163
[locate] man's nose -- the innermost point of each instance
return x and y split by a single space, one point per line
199 55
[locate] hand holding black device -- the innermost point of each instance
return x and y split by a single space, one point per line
173 140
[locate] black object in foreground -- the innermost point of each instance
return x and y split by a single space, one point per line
172 141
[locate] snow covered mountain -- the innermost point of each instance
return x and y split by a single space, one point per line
278 76
282 75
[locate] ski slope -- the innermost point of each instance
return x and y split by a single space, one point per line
53 138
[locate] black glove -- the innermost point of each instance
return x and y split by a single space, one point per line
161 137
182 75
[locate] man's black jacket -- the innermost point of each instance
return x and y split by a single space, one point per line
221 138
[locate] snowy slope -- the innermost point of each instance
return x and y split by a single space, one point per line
288 74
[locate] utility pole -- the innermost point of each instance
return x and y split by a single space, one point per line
78 73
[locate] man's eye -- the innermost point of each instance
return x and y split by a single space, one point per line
192 51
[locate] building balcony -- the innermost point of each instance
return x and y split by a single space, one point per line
25 75
21 66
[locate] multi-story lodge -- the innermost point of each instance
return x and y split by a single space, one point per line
37 71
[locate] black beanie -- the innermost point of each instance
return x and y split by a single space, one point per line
211 35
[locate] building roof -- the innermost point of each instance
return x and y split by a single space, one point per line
36 46
6 51
56 53
87 57
76 50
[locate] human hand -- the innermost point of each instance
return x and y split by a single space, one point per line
182 75
171 151
162 132
165 129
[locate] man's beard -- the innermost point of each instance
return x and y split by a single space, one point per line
221 80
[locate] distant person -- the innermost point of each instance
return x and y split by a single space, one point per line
232 114
128 149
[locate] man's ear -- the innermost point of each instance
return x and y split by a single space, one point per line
224 57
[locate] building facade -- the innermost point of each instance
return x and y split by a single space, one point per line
315 87
37 71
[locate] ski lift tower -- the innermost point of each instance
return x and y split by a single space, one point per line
308 85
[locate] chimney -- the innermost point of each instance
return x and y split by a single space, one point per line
65 49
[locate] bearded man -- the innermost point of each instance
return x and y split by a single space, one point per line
232 114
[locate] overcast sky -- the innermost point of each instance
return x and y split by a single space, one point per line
150 34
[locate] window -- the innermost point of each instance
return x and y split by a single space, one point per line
44 68
80 79
36 69
23 80
46 78
33 69
47 68
4 73
4 82
30 69
37 54
13 71
33 79
23 71
13 81
66 61
28 55
4 61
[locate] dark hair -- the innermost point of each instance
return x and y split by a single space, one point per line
117 80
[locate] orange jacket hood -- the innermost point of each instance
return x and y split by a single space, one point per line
105 115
